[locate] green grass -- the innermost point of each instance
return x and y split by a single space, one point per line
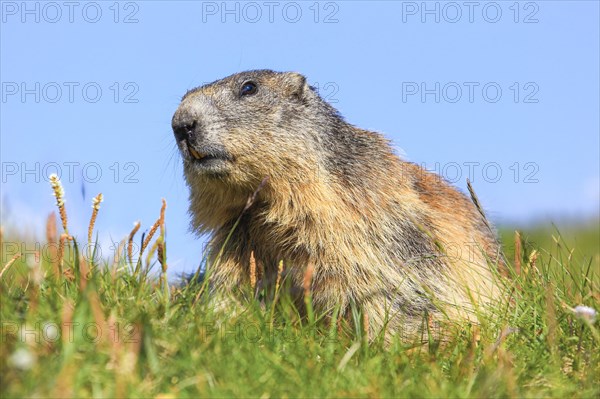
114 330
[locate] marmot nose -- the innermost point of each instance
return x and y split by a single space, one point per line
184 129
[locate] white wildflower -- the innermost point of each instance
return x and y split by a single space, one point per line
586 313
22 359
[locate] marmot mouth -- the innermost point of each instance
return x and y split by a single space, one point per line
196 154
207 155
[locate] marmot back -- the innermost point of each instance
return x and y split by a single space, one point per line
381 233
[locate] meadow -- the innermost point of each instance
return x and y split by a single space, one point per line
76 326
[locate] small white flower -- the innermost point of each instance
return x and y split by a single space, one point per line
586 313
22 359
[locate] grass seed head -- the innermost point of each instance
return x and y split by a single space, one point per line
59 193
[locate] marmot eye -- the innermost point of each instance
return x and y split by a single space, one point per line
248 88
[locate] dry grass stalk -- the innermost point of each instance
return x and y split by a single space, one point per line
69 275
163 208
151 252
83 274
279 274
67 320
160 252
551 320
431 326
252 271
95 208
506 331
52 241
117 258
115 342
61 253
161 246
51 230
59 193
518 252
260 271
9 264
276 296
252 198
308 275
533 259
366 325
477 204
151 233
136 227
98 314
115 354
118 252
159 223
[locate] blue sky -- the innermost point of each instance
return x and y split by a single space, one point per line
511 98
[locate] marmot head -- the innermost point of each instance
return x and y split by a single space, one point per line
234 132
249 125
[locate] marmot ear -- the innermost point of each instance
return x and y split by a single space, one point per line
295 85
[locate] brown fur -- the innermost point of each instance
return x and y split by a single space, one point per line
381 233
